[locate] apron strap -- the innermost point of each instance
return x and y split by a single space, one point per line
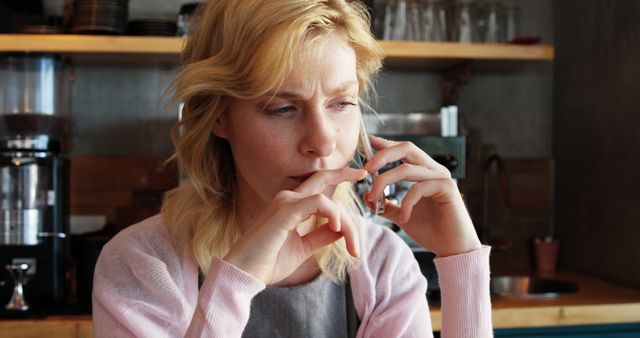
200 278
353 322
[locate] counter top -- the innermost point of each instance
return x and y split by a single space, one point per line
596 302
50 327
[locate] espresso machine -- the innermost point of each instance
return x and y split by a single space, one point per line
436 133
433 132
34 136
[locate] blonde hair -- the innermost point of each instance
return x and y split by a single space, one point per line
243 49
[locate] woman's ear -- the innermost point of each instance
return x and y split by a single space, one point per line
218 128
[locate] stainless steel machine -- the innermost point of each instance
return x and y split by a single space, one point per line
436 134
34 131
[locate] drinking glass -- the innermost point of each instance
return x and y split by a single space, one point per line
395 20
494 30
433 20
512 19
413 31
465 23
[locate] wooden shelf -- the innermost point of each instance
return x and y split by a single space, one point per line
442 55
399 54
97 48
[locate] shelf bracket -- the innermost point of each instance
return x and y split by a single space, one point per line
452 80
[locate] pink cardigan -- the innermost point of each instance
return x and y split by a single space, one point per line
144 287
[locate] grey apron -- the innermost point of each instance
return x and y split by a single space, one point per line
317 309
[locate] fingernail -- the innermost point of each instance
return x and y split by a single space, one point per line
372 206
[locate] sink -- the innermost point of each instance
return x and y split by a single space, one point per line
530 287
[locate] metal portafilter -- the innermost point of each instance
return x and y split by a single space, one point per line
20 277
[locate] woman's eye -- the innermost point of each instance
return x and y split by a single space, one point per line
280 110
345 104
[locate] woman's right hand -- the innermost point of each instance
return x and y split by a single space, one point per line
272 249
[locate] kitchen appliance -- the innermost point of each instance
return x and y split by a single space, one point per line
425 130
34 132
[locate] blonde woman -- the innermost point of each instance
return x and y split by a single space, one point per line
263 237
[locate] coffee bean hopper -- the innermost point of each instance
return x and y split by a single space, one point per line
34 135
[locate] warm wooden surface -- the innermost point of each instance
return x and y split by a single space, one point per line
54 327
440 55
399 54
97 48
597 302
124 189
597 78
73 43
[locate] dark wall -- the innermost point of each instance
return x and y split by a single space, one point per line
597 137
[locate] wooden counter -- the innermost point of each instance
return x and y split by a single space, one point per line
50 327
596 302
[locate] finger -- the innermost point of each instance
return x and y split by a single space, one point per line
351 235
319 238
292 214
392 151
403 172
319 181
391 211
324 235
418 191
369 202
333 224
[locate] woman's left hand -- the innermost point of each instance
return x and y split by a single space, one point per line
432 212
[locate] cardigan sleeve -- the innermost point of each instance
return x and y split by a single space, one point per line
465 293
137 294
391 292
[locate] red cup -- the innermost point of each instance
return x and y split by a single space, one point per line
546 256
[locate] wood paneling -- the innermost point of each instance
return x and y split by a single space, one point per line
597 138
123 188
520 208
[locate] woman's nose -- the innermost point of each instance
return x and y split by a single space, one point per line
319 135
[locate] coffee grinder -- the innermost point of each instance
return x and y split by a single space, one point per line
34 133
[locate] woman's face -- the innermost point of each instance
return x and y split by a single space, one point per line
312 123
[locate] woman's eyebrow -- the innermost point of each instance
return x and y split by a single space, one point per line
295 95
343 88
